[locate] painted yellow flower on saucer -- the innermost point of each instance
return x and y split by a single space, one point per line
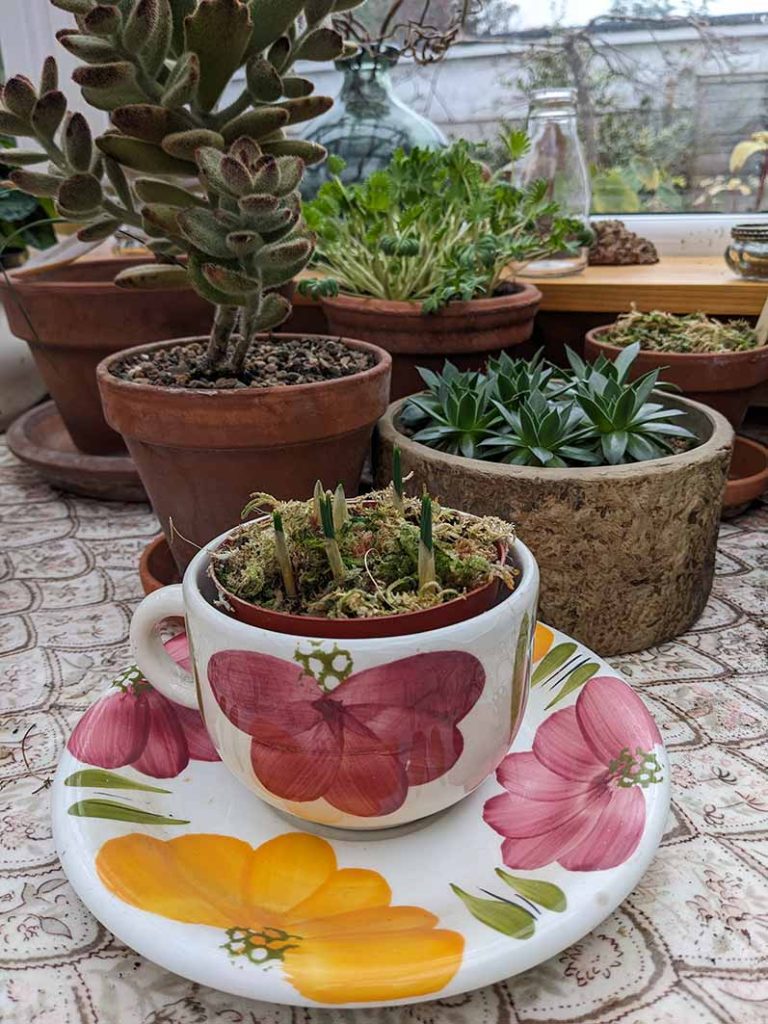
338 937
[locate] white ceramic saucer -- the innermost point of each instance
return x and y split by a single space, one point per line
188 868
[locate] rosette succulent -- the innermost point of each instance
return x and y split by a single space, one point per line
215 187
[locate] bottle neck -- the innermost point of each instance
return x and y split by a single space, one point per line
366 82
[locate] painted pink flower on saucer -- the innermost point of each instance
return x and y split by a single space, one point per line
577 797
360 745
139 727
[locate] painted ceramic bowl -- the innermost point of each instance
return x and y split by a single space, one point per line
359 733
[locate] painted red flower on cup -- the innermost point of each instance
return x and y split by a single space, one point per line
139 727
577 797
361 745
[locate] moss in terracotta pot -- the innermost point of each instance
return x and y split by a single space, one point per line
418 257
383 556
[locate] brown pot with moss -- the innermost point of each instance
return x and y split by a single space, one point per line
466 333
724 380
74 316
201 451
626 552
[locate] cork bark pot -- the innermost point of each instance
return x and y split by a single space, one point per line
75 317
201 454
626 553
726 381
464 332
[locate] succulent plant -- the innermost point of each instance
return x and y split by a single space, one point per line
214 188
526 413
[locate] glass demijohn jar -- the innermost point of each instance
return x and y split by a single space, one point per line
368 121
557 157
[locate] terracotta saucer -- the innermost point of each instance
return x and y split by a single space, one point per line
40 439
747 477
156 567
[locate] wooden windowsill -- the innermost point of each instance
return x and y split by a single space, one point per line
677 284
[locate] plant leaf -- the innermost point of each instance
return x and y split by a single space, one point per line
218 33
113 811
543 894
552 661
98 778
507 918
577 678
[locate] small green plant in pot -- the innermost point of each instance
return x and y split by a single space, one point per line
616 484
418 258
215 187
388 671
722 364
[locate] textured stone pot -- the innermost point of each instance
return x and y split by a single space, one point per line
726 381
626 553
464 332
201 454
72 317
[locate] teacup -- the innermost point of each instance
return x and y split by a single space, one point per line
353 733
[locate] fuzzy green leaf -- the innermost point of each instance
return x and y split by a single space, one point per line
243 243
99 230
141 156
273 19
321 45
274 310
107 86
247 152
209 161
264 83
279 52
154 277
291 170
285 254
317 11
149 122
256 124
266 177
140 25
236 176
218 32
507 918
306 107
12 125
258 206
183 84
543 894
232 282
119 182
114 811
185 144
205 231
49 76
98 778
48 113
160 220
104 20
295 88
35 183
92 49
153 190
19 96
80 193
196 261
310 152
179 10
23 157
276 275
73 6
78 144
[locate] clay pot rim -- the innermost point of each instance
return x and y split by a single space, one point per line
759 449
40 279
528 295
104 372
518 551
595 336
722 436
372 627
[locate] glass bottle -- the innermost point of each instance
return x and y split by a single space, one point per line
557 157
368 121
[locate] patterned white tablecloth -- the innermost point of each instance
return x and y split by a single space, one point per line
689 946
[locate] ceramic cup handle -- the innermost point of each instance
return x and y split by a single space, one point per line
150 655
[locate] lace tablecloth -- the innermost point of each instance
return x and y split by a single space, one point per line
689 945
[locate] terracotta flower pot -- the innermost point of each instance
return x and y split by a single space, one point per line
75 317
200 454
364 733
725 381
464 332
627 553
747 477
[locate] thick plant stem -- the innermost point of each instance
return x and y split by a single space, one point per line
247 332
223 325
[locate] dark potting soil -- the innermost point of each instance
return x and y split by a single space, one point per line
272 362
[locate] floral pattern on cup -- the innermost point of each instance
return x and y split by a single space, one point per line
577 798
359 745
138 726
332 929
